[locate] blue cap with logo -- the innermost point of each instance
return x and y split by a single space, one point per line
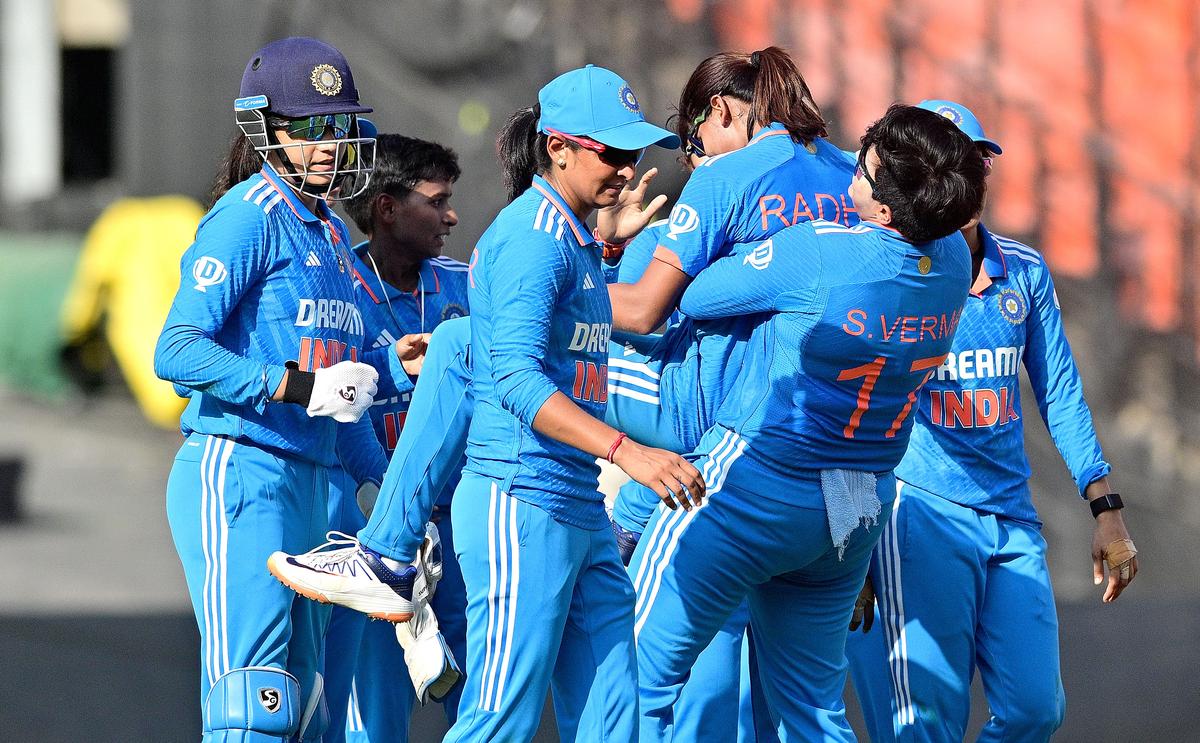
964 119
300 77
594 102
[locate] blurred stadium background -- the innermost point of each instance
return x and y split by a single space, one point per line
1097 104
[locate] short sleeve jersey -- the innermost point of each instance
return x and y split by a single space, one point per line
540 324
861 319
265 282
968 445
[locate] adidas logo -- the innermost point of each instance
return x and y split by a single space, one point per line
385 339
587 281
313 260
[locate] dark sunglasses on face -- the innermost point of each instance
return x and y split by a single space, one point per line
313 127
610 156
861 170
693 146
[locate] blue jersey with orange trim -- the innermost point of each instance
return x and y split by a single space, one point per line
746 196
389 313
969 441
861 318
540 323
265 282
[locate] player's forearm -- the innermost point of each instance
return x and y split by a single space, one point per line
191 359
563 420
634 311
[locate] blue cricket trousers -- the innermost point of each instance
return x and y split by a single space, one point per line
230 505
959 589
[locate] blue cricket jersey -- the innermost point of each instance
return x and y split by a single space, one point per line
389 313
969 445
745 196
540 323
265 282
862 319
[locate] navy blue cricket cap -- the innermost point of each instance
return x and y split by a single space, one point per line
301 77
594 102
964 119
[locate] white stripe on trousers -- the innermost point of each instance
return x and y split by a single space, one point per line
715 471
214 542
504 562
893 619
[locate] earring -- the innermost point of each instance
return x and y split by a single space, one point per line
562 163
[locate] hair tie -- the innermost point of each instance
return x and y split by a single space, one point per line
755 58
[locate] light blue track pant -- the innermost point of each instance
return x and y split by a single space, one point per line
699 566
548 605
366 682
959 589
230 505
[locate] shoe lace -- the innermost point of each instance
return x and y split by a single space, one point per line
339 548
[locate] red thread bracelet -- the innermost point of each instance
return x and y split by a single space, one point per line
610 250
612 450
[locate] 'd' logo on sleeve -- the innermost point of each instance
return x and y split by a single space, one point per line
761 257
683 219
208 271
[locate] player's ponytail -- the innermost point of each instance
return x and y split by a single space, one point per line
521 149
767 80
242 162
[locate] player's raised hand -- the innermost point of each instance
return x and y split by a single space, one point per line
669 475
625 219
410 349
1112 546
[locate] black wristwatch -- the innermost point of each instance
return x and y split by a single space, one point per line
1108 502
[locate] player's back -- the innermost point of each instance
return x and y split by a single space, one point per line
829 382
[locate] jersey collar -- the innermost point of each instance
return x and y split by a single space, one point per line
993 266
580 230
364 273
293 199
774 129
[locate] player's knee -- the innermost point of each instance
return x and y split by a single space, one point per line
453 336
253 705
1033 716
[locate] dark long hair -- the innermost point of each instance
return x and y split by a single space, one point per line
240 163
521 149
768 80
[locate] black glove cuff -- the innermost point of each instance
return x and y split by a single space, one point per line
299 386
1109 502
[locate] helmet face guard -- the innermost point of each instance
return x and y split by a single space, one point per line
354 157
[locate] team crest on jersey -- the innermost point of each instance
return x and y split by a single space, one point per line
270 698
453 310
950 112
761 257
208 271
1012 306
628 99
326 79
683 219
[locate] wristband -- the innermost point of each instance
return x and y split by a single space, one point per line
607 249
299 385
1110 502
612 450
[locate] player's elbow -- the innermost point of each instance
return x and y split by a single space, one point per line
640 318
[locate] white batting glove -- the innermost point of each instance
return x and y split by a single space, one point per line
343 391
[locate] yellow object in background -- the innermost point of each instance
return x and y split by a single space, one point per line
124 282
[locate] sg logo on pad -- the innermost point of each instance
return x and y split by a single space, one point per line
208 271
270 699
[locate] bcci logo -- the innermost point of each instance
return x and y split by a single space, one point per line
628 99
761 257
326 79
208 271
950 112
683 219
1012 306
270 699
453 310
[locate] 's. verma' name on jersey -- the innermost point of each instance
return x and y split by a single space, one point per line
901 328
329 313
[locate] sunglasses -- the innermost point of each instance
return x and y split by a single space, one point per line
693 146
313 127
860 171
610 156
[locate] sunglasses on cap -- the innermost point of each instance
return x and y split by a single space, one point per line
313 127
610 156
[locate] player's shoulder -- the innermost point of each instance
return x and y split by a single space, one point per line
1018 255
450 272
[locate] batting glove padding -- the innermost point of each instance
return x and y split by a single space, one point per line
343 391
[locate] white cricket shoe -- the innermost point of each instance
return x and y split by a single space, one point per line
345 573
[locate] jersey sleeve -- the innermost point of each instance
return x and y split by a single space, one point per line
775 275
698 227
524 294
360 452
230 254
1057 386
393 380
